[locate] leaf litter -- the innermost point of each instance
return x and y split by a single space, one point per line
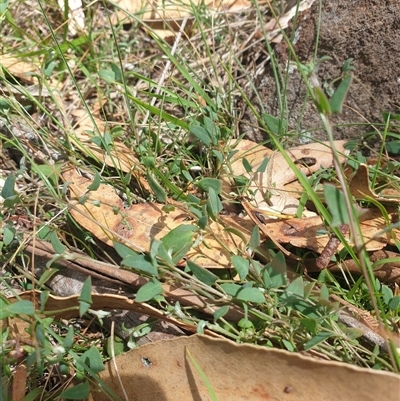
103 213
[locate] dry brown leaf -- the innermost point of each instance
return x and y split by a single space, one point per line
20 69
167 17
274 27
104 215
119 157
271 184
164 370
259 219
305 232
173 9
360 189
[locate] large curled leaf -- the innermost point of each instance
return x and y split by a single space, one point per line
236 372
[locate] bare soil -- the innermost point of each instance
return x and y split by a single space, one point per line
367 31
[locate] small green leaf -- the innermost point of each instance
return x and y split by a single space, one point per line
218 155
249 294
94 186
83 307
86 292
236 231
48 274
263 166
51 172
336 205
92 358
274 274
352 333
206 183
3 313
322 102
214 203
273 278
309 324
202 274
123 250
338 98
4 105
22 307
163 254
142 263
347 65
274 123
201 134
394 303
78 392
288 345
117 72
149 162
387 294
44 296
393 147
255 238
241 265
247 166
179 240
390 116
221 312
154 245
203 221
149 291
107 75
118 346
8 235
69 338
8 190
56 243
158 190
319 338
231 289
324 293
296 287
245 324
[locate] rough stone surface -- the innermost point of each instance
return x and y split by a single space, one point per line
366 30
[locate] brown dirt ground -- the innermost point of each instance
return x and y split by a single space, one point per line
366 30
